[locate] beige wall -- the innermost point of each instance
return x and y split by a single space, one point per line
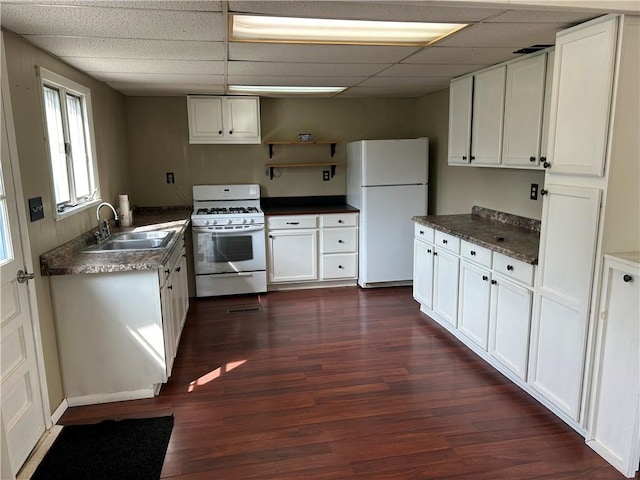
110 137
159 142
457 189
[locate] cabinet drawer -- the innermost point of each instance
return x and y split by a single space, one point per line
424 233
475 253
448 242
338 240
343 265
513 268
297 221
340 220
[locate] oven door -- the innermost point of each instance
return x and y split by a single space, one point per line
229 250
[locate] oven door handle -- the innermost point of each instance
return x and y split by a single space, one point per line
233 274
234 231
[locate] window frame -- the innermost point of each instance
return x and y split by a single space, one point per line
64 85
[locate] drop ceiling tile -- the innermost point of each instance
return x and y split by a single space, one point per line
197 5
113 22
166 89
303 69
400 92
441 82
542 16
481 56
311 81
515 35
428 70
128 48
271 52
390 10
113 65
155 78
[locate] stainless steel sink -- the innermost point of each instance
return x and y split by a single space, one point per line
130 241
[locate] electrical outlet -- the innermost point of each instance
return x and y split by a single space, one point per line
171 177
533 193
326 175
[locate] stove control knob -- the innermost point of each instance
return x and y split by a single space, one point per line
229 222
244 220
214 222
252 221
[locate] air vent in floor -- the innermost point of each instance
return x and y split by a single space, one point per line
245 309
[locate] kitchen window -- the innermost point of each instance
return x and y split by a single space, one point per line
70 141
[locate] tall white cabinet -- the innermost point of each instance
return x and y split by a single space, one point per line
590 203
614 414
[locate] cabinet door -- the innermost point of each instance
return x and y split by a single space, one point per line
509 325
423 273
460 99
567 252
615 410
293 255
546 114
445 289
524 101
166 299
242 119
488 114
473 305
205 118
582 93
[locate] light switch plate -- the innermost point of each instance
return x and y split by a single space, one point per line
36 210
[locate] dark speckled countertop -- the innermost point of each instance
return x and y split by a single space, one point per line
68 259
484 227
306 205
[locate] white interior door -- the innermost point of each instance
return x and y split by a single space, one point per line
22 415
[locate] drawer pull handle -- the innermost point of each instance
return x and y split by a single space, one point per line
510 268
445 241
546 165
485 278
178 269
293 223
340 241
421 232
627 278
532 159
219 132
435 253
170 287
428 250
493 282
473 253
340 266
543 192
167 271
340 221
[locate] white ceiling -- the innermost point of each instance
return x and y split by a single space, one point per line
180 47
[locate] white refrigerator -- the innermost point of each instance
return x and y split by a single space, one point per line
388 181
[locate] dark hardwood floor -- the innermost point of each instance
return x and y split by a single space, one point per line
345 384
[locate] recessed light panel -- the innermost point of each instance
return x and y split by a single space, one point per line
282 90
258 28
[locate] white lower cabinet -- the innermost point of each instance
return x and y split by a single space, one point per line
118 332
305 250
509 324
293 255
473 303
614 413
445 285
423 273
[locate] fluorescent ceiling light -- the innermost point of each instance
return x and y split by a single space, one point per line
259 28
268 89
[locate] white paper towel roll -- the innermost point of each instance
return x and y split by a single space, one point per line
124 204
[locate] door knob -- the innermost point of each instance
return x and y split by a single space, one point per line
544 192
24 277
627 278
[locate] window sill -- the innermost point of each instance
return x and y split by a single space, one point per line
72 211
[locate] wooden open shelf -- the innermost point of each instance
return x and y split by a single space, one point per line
331 143
271 166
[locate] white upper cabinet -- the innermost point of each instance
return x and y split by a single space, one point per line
524 102
498 117
581 102
488 112
460 100
223 119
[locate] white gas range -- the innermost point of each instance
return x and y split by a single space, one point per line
228 240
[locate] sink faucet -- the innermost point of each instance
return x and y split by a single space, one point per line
103 226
